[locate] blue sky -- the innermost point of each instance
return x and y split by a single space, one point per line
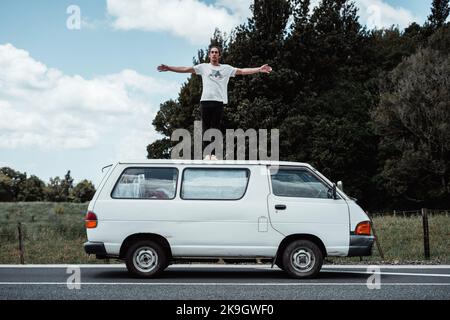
81 99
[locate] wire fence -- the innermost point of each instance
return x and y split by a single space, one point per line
42 233
410 213
58 237
40 228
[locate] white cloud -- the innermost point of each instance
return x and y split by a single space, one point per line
133 145
43 108
238 8
377 13
195 20
189 19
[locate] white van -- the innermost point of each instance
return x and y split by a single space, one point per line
153 212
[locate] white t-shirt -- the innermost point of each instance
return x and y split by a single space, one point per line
215 81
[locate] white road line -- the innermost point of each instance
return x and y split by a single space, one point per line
122 266
266 266
218 284
327 269
31 266
387 266
391 273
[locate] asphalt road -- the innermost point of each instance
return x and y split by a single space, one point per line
219 282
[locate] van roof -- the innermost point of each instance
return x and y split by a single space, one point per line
215 162
226 162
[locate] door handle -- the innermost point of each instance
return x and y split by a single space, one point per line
280 207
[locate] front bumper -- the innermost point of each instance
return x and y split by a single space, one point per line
360 246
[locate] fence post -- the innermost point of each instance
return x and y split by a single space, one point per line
19 229
377 241
426 236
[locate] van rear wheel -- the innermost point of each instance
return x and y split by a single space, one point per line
146 259
302 259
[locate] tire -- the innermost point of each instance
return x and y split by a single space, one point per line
279 265
146 259
302 259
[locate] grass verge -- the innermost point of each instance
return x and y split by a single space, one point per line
54 233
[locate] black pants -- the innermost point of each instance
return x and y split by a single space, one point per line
211 112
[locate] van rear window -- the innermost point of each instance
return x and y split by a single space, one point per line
214 184
146 183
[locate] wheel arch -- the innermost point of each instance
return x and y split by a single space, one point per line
145 236
299 236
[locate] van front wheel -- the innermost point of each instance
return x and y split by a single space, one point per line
302 259
145 259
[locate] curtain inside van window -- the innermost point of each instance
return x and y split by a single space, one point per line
146 183
217 184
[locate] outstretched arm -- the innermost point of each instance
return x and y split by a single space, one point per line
263 69
164 67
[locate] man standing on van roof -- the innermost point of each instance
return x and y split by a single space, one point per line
215 77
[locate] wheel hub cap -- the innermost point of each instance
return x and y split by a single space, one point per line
303 260
145 259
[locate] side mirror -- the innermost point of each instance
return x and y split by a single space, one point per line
340 185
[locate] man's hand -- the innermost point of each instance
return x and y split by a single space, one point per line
163 67
265 68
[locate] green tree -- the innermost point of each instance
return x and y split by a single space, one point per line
33 190
6 193
439 13
328 122
83 191
67 184
159 149
11 183
54 191
413 120
327 75
59 190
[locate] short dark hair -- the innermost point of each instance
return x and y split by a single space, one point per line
217 47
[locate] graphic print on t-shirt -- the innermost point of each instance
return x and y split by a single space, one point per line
216 74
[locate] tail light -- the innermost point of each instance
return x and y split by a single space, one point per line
90 220
363 228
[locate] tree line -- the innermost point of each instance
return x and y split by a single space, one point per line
17 186
370 107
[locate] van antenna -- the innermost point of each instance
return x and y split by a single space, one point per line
106 167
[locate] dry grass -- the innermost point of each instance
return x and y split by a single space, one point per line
54 233
401 240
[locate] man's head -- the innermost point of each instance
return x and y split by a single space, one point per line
214 54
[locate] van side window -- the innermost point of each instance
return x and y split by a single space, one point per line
214 184
146 183
298 183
